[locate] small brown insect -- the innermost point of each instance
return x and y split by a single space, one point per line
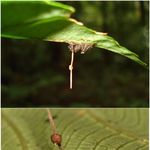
74 47
56 139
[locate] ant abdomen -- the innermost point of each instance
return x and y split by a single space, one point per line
56 139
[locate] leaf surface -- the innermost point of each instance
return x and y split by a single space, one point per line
81 129
50 21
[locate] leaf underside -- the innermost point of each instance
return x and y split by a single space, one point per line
81 129
51 22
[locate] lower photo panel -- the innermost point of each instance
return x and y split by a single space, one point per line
75 129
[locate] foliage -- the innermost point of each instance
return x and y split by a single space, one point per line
90 129
49 23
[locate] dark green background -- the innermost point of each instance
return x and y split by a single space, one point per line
35 73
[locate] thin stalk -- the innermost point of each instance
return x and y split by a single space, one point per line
51 121
71 68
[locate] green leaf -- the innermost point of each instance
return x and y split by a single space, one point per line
81 129
13 12
51 22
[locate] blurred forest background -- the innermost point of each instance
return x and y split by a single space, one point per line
35 73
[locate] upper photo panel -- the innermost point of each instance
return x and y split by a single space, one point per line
74 53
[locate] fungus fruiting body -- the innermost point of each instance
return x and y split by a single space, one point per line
74 48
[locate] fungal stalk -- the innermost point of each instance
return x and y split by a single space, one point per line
55 137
